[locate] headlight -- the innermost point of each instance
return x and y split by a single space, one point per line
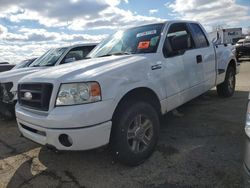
78 93
247 128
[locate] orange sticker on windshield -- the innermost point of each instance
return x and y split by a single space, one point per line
143 45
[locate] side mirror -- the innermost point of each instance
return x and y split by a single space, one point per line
180 43
69 60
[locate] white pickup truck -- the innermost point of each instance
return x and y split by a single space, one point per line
53 57
117 96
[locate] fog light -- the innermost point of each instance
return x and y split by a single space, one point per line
65 140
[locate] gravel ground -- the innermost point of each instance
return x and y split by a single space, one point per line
204 148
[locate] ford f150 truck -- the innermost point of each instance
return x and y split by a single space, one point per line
117 96
53 57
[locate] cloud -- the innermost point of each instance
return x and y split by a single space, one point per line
29 42
62 10
153 11
36 26
212 12
113 18
3 30
75 14
16 52
42 35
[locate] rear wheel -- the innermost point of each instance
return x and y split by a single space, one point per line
135 133
227 88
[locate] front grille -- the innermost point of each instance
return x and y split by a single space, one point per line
40 95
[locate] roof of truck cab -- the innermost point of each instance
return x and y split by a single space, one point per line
81 45
166 22
77 45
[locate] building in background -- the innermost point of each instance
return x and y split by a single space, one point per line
226 36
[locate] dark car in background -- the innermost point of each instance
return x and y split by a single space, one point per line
5 66
24 63
243 47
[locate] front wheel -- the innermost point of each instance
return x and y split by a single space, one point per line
227 88
135 133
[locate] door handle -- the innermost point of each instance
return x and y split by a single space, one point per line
157 66
199 59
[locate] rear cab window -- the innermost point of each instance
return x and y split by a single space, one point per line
199 36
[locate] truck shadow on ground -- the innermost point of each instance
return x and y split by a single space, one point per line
204 148
11 142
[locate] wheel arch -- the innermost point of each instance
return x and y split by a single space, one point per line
232 63
141 94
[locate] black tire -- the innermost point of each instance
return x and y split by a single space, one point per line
125 147
227 88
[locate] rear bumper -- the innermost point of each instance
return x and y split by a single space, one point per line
81 138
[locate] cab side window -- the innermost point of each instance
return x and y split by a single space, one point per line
200 38
77 54
178 40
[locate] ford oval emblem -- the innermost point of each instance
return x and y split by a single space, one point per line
28 95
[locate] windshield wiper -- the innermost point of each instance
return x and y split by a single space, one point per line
116 53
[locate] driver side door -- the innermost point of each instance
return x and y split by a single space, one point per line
176 76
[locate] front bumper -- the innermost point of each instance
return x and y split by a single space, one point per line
68 116
81 138
88 126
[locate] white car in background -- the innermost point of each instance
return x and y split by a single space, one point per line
53 57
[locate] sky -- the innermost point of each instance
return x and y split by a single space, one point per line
30 27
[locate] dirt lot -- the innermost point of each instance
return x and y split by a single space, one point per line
204 148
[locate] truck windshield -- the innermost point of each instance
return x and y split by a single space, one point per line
143 39
49 58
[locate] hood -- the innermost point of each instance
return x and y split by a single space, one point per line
16 74
84 69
